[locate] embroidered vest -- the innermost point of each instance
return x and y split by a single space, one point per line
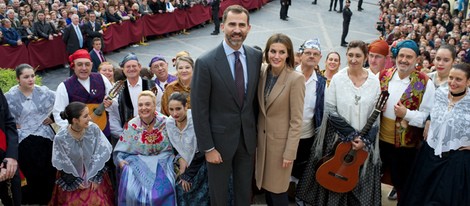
126 109
76 92
411 99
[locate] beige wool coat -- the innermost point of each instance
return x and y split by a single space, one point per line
279 127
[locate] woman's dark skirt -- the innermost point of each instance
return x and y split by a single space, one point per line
438 181
34 160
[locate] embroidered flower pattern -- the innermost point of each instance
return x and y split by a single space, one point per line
153 137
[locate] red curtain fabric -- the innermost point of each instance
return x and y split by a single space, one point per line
45 54
164 23
10 57
197 15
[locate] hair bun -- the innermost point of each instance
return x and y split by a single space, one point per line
63 115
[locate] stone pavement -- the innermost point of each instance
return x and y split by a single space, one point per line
306 21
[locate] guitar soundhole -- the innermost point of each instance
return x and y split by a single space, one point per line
348 158
338 176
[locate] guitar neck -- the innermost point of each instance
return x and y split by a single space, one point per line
99 110
370 122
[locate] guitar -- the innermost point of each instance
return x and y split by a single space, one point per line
97 114
341 173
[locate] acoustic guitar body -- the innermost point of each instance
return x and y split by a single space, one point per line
98 115
341 173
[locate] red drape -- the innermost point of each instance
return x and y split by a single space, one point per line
10 57
45 54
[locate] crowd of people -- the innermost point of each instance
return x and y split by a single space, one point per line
238 114
25 21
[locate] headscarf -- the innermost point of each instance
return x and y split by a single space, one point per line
128 57
81 53
380 47
155 59
310 44
405 44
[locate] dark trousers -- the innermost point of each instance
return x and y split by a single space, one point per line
331 4
399 161
240 167
345 32
273 199
303 153
359 4
34 158
284 8
15 189
341 5
215 15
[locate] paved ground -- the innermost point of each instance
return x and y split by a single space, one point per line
306 21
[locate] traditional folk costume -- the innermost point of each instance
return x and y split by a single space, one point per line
35 141
149 178
185 143
399 137
89 91
441 173
81 162
314 103
347 110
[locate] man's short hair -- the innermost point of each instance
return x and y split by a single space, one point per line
10 11
237 9
96 39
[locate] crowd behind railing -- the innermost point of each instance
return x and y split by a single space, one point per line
430 24
34 25
31 20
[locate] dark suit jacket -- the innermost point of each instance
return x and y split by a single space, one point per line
218 117
43 29
95 59
347 13
92 33
8 127
70 39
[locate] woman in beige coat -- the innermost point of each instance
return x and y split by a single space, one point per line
281 93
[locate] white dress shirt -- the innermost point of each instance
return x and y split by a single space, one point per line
396 88
62 98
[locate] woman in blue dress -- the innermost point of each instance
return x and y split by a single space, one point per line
191 183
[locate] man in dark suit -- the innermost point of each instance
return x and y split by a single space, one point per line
347 13
224 108
73 36
96 54
10 182
92 29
